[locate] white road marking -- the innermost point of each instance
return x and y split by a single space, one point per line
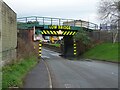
114 74
49 75
54 54
48 50
45 57
13 87
88 59
51 51
67 85
88 65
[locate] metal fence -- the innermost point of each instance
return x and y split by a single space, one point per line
106 36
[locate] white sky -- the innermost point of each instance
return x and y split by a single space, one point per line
70 9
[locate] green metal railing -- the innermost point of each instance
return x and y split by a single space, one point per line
29 22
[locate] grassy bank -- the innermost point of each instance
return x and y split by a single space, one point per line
13 74
56 45
104 51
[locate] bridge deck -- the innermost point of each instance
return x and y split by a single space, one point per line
46 22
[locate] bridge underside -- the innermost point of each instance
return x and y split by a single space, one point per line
68 45
56 32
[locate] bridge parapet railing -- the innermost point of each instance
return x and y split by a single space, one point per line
55 21
43 20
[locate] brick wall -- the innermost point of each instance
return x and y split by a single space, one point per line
8 32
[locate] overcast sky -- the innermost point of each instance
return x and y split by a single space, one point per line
70 9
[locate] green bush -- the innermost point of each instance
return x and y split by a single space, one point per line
83 37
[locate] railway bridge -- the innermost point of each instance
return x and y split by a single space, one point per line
47 26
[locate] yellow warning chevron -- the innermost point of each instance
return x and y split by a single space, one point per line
53 32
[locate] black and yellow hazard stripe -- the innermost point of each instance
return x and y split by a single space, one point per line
54 32
44 32
40 48
49 32
74 33
69 32
64 32
75 48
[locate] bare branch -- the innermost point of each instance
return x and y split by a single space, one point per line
109 10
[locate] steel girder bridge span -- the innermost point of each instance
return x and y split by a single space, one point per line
47 26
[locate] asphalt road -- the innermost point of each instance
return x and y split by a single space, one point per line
37 77
80 74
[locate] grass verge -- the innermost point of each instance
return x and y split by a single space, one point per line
13 74
104 51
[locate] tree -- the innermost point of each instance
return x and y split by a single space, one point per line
83 41
109 11
83 37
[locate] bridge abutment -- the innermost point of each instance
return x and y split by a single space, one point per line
69 47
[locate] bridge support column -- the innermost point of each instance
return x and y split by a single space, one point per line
68 47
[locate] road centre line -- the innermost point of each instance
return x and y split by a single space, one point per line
67 85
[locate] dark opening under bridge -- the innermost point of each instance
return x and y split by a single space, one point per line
56 26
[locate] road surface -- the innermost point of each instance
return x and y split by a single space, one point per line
80 74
